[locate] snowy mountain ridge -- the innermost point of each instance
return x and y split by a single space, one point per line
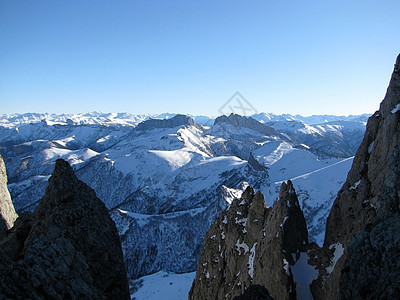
128 119
167 182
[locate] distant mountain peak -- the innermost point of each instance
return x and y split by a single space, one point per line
178 120
247 122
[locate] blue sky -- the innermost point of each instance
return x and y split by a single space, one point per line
299 57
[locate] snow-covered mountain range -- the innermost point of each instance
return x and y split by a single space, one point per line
165 178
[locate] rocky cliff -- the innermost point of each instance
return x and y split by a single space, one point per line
255 250
68 248
178 120
364 220
246 122
251 244
7 211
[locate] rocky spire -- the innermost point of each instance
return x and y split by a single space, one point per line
7 211
367 200
295 234
70 246
250 244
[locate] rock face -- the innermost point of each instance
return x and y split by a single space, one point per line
68 248
255 292
365 216
246 122
7 211
251 244
176 121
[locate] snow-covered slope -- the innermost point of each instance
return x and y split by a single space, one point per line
163 285
316 180
166 182
325 135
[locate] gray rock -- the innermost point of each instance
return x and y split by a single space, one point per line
368 199
255 292
7 211
178 120
68 248
246 122
372 268
251 244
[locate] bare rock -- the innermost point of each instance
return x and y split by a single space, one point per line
68 248
246 122
250 244
369 197
7 211
178 120
255 292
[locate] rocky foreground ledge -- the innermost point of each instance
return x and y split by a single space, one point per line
68 248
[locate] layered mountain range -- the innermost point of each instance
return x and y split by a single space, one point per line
257 252
166 180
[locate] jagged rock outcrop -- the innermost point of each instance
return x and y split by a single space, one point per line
7 211
68 248
255 164
178 120
246 122
364 220
251 244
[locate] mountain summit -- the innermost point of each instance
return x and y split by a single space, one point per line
178 120
246 122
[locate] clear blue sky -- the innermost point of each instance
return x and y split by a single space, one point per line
305 57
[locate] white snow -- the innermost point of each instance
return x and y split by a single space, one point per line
72 156
41 178
251 260
317 170
316 183
164 285
284 220
355 185
271 152
371 146
141 219
175 158
396 109
242 221
286 266
231 194
336 256
303 275
240 246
